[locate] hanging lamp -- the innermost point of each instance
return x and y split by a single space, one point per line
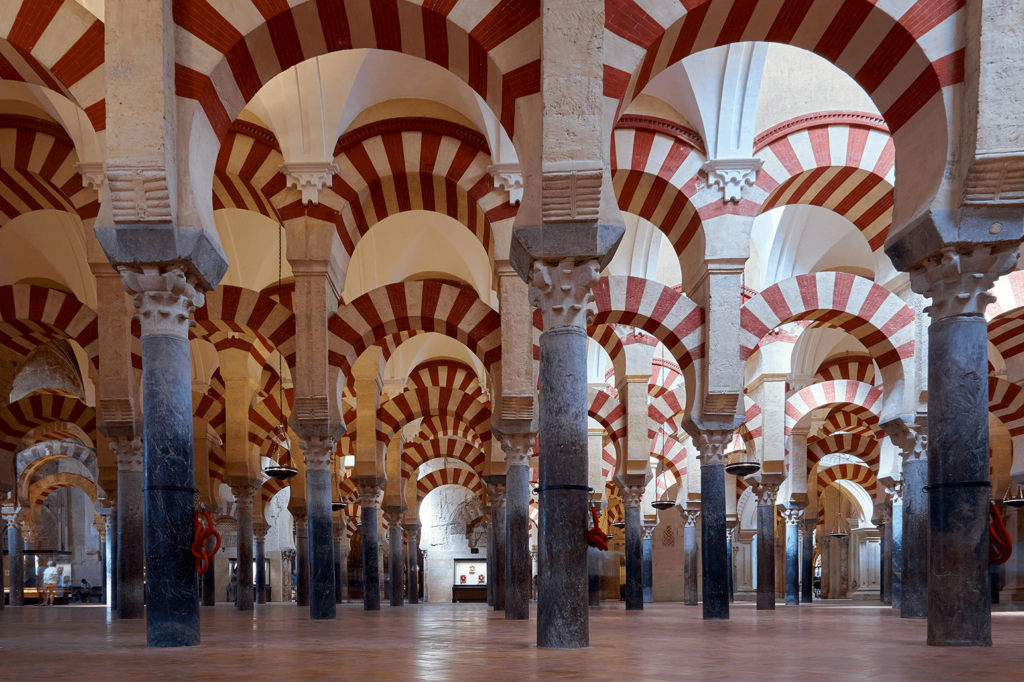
1015 501
840 530
279 470
736 466
661 505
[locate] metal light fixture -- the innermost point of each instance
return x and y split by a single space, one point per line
840 530
662 505
280 470
619 524
737 467
1015 501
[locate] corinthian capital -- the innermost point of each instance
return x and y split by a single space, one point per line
766 493
164 299
496 494
562 292
129 453
912 440
244 495
632 495
517 448
958 283
318 452
368 494
712 445
690 516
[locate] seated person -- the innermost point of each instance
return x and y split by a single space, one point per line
85 591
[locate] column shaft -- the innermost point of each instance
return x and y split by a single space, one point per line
807 588
562 604
517 550
766 557
243 515
16 563
826 566
914 585
499 567
343 573
261 572
131 551
412 563
322 604
302 557
715 546
729 566
897 555
887 564
690 564
648 569
396 562
371 560
112 582
210 577
634 560
792 564
338 569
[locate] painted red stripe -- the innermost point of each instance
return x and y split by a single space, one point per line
833 185
32 20
193 85
285 37
788 20
736 22
334 22
55 158
199 18
435 34
845 24
24 140
505 20
920 92
16 188
518 83
84 57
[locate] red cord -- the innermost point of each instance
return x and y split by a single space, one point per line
595 536
203 532
1001 546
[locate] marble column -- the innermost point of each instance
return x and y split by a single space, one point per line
499 566
844 567
915 532
395 560
562 292
807 560
368 501
689 555
518 564
318 453
110 520
897 546
792 517
131 551
15 561
648 530
731 561
164 301
714 546
340 565
243 516
826 566
631 497
287 566
302 559
412 563
766 545
886 573
260 535
959 612
210 577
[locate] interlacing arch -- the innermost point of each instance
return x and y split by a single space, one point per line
846 418
445 426
416 454
837 160
447 373
457 36
449 476
432 402
663 412
423 306
37 170
855 473
19 418
855 367
609 413
865 448
32 315
58 45
233 317
803 402
666 376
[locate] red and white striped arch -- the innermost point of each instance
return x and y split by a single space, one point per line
58 44
855 473
664 412
1006 322
433 402
1006 403
607 462
417 454
269 489
44 487
609 413
227 49
449 476
666 376
232 313
852 367
865 448
444 426
753 422
247 174
837 160
413 306
855 419
446 373
19 418
673 454
31 315
800 405
37 171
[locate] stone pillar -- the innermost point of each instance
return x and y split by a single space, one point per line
302 557
412 562
731 561
340 565
826 565
844 567
648 530
287 566
15 558
164 301
897 546
260 534
368 496
519 566
131 551
395 561
318 452
915 529
689 555
765 493
210 577
887 553
792 517
631 499
959 612
716 592
243 516
110 521
496 495
807 560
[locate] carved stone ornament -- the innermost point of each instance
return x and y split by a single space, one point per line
996 178
563 292
690 516
517 448
496 495
668 538
648 531
896 492
309 177
571 191
807 527
244 495
508 176
368 494
164 299
792 516
632 495
766 493
394 519
712 445
958 283
138 191
92 173
129 453
318 452
731 175
312 409
260 533
912 442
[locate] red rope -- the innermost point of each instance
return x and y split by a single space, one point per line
595 536
203 532
1001 546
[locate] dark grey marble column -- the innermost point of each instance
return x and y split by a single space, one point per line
689 556
826 566
563 620
518 564
792 517
634 548
260 534
648 530
766 546
16 563
210 577
914 583
301 559
396 562
243 516
496 494
844 567
340 569
318 453
131 551
896 549
807 560
594 576
729 565
412 563
111 558
885 575
714 545
368 494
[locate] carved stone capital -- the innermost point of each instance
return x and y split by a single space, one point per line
766 493
244 495
92 173
958 283
731 175
394 519
648 530
690 516
496 495
807 527
309 177
912 440
632 495
711 446
318 452
563 293
896 492
164 298
9 512
792 516
368 494
259 532
138 191
517 447
508 176
129 453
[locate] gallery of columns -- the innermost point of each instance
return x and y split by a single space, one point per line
516 325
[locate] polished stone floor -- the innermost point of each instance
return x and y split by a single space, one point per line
836 642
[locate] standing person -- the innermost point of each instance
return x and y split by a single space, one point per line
50 575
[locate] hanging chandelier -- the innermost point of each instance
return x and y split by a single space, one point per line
280 470
1015 501
661 505
840 528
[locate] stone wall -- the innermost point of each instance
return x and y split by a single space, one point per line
444 514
